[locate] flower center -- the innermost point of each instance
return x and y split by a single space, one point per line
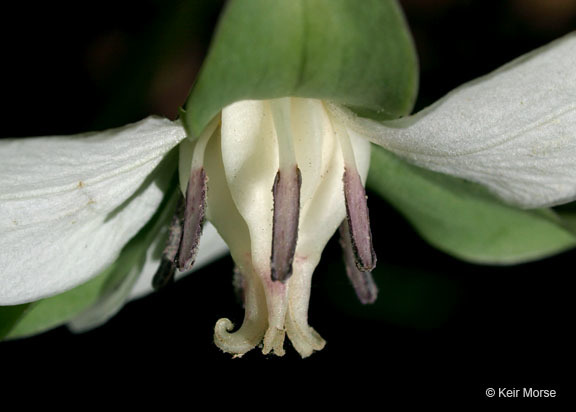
283 177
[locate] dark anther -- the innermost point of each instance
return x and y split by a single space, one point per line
193 219
165 273
362 281
286 192
358 221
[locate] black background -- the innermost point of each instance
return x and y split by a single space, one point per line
439 323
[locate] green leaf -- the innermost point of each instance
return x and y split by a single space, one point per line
462 219
360 55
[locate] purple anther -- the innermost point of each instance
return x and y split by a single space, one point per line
167 269
358 221
286 191
193 219
362 281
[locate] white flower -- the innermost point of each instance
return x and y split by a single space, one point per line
276 178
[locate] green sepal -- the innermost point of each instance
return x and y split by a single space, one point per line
357 54
462 219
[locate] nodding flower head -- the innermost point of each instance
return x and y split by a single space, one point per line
277 178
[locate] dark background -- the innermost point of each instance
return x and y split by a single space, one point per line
439 323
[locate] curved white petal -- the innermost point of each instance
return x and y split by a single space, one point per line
68 204
513 130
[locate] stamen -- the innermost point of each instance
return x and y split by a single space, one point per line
358 221
356 207
362 281
286 194
193 218
167 269
165 274
195 201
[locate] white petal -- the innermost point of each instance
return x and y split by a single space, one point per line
513 130
68 204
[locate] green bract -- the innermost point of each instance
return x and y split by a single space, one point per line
357 54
